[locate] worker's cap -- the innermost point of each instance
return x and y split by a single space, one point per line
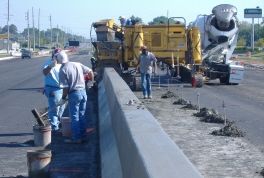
121 17
61 57
55 51
143 48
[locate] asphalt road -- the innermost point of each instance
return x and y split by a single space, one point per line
244 103
21 83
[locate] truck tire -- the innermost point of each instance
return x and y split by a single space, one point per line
224 80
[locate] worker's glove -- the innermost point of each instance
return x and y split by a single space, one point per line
53 63
62 102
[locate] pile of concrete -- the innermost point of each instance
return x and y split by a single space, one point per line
229 130
189 105
168 94
209 115
180 101
262 172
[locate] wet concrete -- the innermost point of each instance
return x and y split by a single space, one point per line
168 94
190 106
262 172
180 101
215 157
209 115
229 130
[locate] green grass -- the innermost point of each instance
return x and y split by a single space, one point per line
258 56
261 55
4 55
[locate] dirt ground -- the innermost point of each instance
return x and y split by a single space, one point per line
214 156
251 62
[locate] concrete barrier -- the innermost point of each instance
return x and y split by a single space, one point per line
138 146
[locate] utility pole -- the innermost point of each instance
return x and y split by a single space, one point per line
34 37
63 36
252 37
57 41
27 19
50 32
8 27
39 28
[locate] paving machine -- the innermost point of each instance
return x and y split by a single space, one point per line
185 50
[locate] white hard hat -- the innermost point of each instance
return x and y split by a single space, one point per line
62 57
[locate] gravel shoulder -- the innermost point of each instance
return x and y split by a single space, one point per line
214 156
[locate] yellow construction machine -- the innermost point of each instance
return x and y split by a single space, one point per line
172 43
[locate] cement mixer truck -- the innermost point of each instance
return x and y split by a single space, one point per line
219 33
199 52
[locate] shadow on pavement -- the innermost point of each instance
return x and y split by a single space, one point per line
29 143
15 134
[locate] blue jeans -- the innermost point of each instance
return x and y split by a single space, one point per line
146 84
77 107
54 113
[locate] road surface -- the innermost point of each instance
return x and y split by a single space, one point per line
21 82
244 103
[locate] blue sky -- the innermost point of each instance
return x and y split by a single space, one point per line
77 16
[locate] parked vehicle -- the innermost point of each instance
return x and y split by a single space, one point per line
25 53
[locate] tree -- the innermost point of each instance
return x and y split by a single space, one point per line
241 42
245 32
162 20
12 29
260 43
135 20
159 20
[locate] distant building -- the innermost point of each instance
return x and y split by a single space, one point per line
13 46
3 44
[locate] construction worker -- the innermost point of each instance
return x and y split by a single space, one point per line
53 91
146 61
71 77
124 21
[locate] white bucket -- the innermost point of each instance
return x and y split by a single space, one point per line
38 162
42 135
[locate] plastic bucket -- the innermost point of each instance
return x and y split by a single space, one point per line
66 126
42 135
38 162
